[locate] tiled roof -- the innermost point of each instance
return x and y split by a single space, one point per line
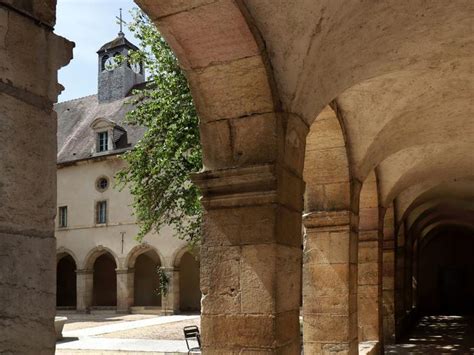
76 139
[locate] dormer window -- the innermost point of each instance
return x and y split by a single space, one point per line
108 136
102 141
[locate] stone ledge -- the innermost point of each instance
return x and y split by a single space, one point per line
327 219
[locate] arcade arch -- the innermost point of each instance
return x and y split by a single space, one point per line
261 72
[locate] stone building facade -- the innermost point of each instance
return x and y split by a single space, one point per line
352 120
100 264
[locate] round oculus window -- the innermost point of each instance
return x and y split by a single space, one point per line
102 184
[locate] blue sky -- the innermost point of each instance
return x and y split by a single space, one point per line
90 24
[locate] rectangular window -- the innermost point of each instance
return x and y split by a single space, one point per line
103 141
101 211
63 216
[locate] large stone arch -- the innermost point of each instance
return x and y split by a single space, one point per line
104 280
142 263
94 253
136 251
260 72
187 292
66 283
62 251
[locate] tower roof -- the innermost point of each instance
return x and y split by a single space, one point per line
119 41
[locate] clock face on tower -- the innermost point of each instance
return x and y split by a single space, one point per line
136 67
110 64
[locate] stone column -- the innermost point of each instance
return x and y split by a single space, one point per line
172 298
84 280
369 292
124 290
369 286
388 278
330 283
400 250
30 55
408 287
251 260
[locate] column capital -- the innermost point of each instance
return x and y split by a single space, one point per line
84 271
327 219
249 186
125 271
237 186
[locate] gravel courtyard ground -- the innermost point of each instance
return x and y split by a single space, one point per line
171 331
81 321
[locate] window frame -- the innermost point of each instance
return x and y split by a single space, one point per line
62 216
97 218
100 141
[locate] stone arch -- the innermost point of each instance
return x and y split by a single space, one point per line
144 261
326 167
93 254
62 251
189 293
136 251
66 283
104 284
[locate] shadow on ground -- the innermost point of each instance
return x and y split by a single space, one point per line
440 334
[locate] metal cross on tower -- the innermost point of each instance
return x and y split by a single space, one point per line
120 22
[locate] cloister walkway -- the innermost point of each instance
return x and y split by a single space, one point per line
438 335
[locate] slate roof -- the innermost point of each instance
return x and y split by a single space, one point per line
76 139
117 42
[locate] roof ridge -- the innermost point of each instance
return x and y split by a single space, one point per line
77 98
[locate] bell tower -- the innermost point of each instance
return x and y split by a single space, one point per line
114 80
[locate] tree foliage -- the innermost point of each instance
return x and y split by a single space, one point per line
159 166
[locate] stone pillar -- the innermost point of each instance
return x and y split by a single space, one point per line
30 55
125 290
400 249
408 287
251 260
330 283
369 292
84 280
171 301
388 278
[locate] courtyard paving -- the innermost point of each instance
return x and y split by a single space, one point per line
438 335
127 334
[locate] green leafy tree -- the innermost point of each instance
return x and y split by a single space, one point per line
159 166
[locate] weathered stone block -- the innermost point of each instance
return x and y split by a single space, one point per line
368 274
368 251
28 178
32 68
236 89
165 8
326 247
314 303
330 278
219 32
254 139
252 331
216 144
258 278
240 225
326 328
220 280
295 143
26 281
